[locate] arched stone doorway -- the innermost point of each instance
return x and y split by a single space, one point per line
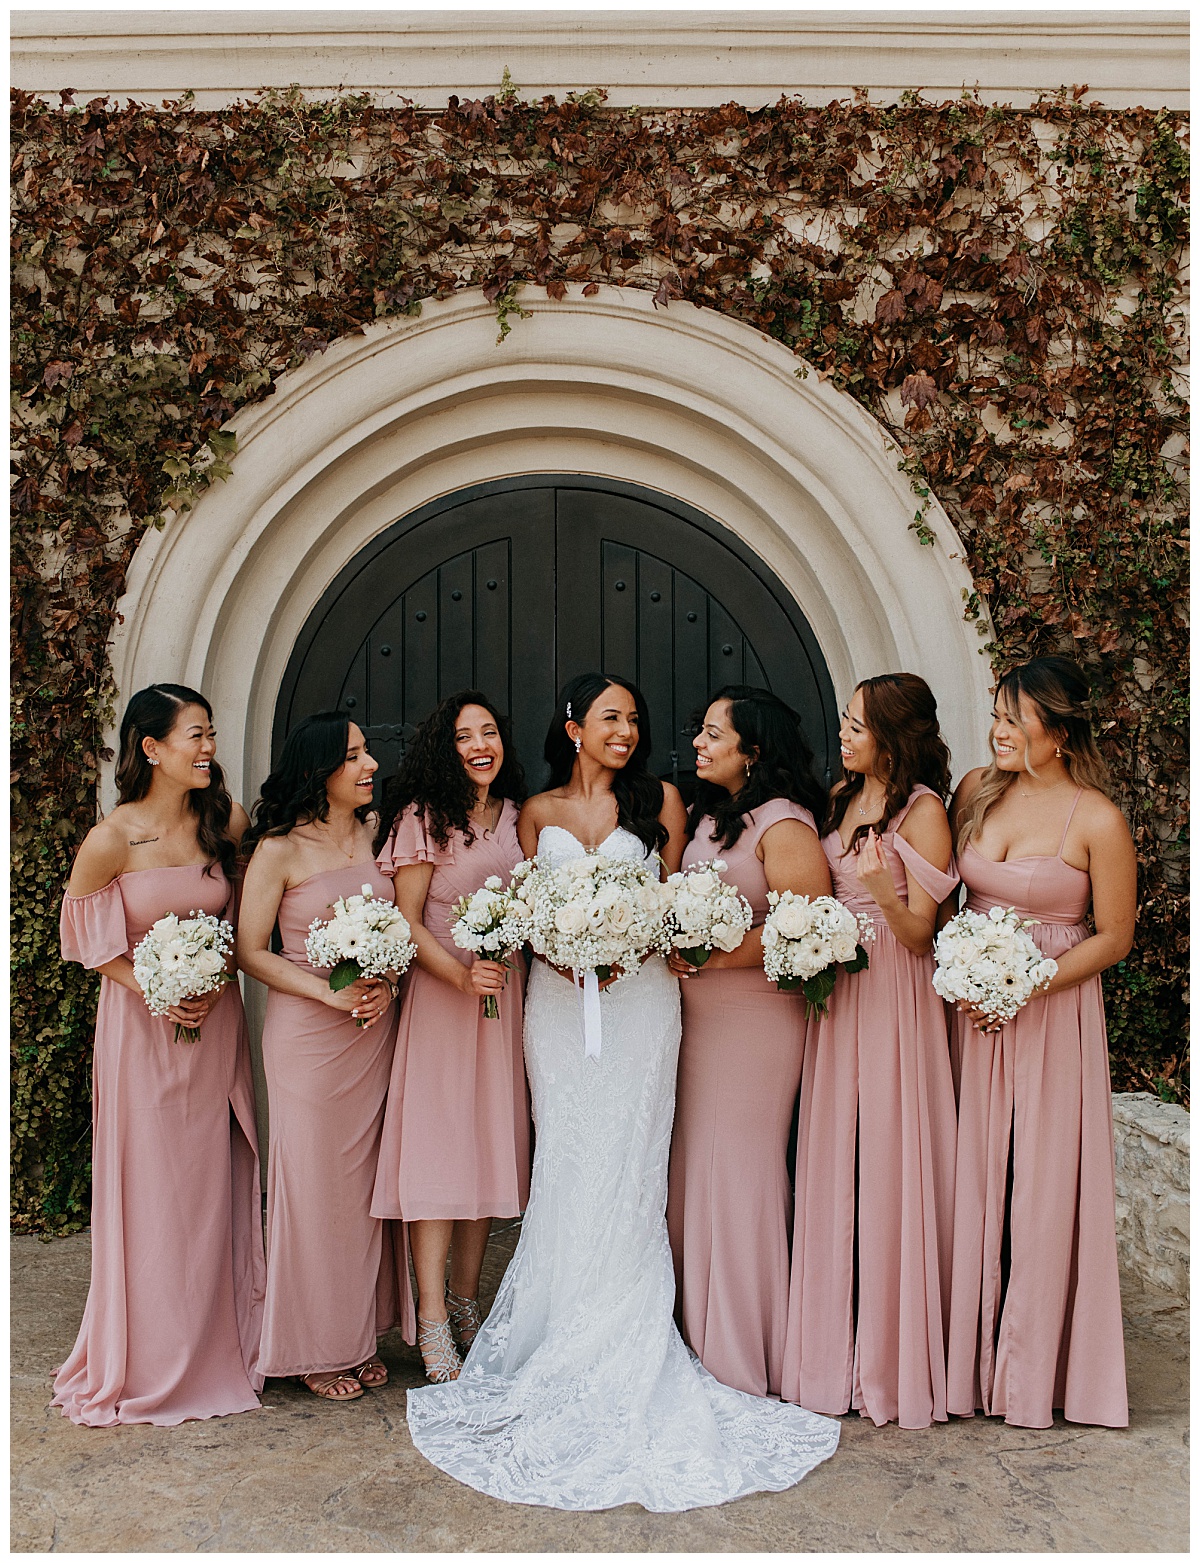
515 586
699 409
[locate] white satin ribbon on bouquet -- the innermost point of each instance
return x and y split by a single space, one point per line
589 1010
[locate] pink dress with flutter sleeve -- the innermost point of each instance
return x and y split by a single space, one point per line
1035 1167
456 1136
870 1288
336 1276
173 1318
729 1202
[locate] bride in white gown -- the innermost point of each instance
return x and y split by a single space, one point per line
579 1392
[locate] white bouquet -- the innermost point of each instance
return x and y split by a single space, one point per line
593 914
705 914
365 937
806 942
988 961
181 958
492 923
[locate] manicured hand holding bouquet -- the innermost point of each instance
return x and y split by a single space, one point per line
493 924
591 916
365 937
806 942
705 914
988 962
182 958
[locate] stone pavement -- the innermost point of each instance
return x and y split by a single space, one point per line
303 1475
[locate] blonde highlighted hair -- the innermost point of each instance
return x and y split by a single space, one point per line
1058 690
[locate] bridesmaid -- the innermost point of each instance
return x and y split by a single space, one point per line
336 1277
729 1201
875 1167
174 1310
455 1147
1035 1314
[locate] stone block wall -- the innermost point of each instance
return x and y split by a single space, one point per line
1153 1145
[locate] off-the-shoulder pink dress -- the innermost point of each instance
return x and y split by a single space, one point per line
870 1289
336 1277
174 1310
456 1136
1035 1167
729 1202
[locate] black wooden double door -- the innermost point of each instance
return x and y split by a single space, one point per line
516 586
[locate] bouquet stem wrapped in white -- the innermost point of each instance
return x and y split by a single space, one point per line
705 914
365 937
182 958
806 942
492 923
590 916
988 961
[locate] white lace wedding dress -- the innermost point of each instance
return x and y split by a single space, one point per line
579 1392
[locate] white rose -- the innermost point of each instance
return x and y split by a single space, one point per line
844 946
792 920
620 916
570 920
725 937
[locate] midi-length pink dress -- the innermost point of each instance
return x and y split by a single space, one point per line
1035 1107
870 1286
173 1318
729 1201
336 1276
456 1136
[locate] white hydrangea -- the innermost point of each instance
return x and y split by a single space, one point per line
182 958
806 942
705 913
988 961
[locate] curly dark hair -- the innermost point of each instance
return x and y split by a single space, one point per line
294 793
901 716
639 794
432 776
770 734
152 713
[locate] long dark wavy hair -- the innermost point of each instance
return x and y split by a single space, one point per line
639 794
901 716
152 713
432 776
781 768
294 793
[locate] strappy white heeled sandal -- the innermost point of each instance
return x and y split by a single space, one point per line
438 1351
465 1318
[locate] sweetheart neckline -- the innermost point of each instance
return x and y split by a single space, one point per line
583 844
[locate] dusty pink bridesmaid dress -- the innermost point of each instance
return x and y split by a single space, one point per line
174 1310
456 1136
336 1277
1035 1117
729 1202
870 1287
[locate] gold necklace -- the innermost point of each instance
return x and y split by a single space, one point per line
349 856
495 807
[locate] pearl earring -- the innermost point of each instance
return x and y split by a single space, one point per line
1058 754
747 770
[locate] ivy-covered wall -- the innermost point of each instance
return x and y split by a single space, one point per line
1000 287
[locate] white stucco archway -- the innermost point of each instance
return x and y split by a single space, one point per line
685 401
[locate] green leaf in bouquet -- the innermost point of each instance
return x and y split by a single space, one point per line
343 974
860 962
817 990
697 955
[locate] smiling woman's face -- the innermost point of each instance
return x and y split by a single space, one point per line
479 745
608 733
352 784
1019 737
185 755
858 747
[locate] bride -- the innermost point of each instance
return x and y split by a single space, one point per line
579 1392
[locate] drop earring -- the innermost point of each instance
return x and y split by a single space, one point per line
1058 754
578 745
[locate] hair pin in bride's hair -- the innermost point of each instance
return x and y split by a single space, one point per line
570 718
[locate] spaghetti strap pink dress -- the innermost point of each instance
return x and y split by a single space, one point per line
729 1202
870 1286
171 1327
336 1277
455 1140
1035 1166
